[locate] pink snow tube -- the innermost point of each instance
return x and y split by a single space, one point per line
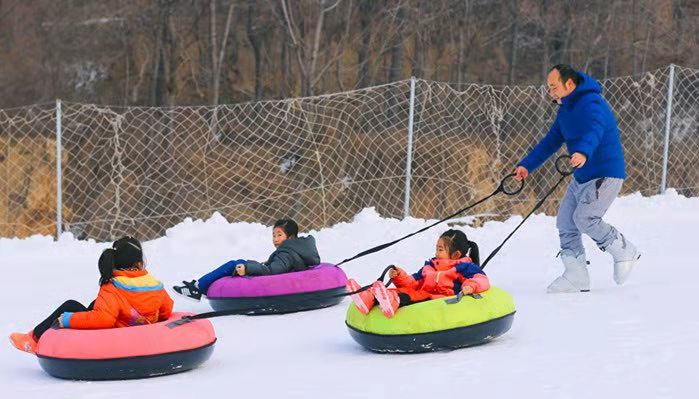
127 352
318 287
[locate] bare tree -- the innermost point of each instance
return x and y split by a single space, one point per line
418 69
307 50
465 40
514 13
217 54
366 12
253 34
397 49
163 87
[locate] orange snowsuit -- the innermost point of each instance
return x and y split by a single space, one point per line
440 278
132 297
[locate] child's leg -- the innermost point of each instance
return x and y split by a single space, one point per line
68 306
413 296
405 300
227 269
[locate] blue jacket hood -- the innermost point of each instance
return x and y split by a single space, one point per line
588 85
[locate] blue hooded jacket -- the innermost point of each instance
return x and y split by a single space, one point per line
586 124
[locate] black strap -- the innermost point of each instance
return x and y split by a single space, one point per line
537 206
502 188
565 171
366 287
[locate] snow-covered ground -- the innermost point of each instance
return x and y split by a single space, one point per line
640 340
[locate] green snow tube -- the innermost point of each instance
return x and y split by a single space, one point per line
436 324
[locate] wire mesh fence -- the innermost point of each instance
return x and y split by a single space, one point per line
320 160
28 171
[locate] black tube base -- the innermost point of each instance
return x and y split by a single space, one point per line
435 341
280 303
126 368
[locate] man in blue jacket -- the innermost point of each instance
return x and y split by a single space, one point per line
586 125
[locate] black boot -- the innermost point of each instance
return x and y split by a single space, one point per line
189 289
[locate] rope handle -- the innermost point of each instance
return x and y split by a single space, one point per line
503 187
564 168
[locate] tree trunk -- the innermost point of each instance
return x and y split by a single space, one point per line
298 44
216 53
283 55
214 60
165 62
395 71
564 55
545 62
170 52
365 10
610 35
254 39
514 11
464 33
156 87
127 63
283 61
634 20
418 58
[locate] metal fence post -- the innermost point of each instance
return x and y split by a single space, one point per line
59 171
409 160
668 123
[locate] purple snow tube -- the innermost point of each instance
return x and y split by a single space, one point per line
318 287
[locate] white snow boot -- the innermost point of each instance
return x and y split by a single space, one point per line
575 277
625 256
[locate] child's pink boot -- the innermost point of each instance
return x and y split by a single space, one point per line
364 300
388 299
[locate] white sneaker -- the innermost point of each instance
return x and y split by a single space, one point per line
574 278
625 256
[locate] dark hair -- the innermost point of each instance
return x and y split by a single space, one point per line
124 254
456 240
291 229
567 72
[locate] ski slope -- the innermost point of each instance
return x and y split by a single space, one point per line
640 340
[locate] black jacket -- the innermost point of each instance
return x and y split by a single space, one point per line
295 254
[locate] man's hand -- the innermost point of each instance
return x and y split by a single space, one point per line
577 160
521 173
240 270
60 322
466 289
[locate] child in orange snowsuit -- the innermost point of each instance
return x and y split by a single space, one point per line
128 296
454 269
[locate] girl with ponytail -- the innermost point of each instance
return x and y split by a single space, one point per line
454 269
128 296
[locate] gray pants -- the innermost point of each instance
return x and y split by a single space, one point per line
581 211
